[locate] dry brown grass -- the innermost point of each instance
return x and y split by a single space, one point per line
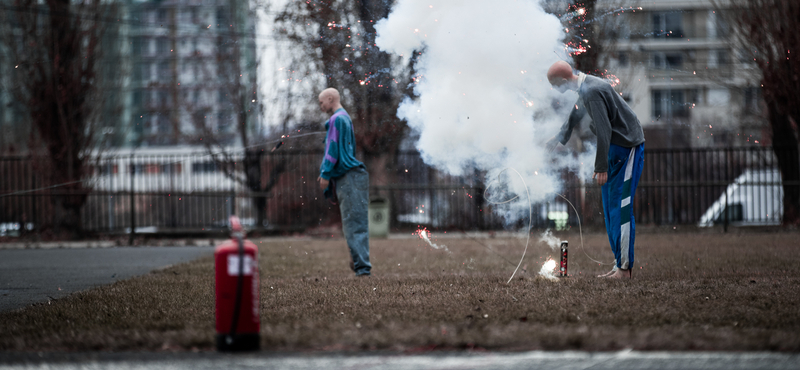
692 292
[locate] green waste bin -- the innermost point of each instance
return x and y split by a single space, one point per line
379 217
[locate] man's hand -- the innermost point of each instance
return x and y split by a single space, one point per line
551 144
323 184
600 177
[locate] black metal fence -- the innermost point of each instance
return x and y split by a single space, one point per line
278 192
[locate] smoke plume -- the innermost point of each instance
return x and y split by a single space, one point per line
482 95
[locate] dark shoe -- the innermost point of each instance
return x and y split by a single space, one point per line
352 266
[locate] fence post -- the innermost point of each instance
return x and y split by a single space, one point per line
133 203
725 187
727 211
34 198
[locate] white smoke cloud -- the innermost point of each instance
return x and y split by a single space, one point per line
551 241
483 78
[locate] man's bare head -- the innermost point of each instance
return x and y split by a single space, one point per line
560 76
329 100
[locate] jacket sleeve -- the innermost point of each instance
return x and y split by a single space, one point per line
331 151
575 117
599 113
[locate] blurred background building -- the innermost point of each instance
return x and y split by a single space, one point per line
173 72
193 71
676 64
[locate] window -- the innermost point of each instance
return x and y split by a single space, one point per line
224 121
163 70
733 212
669 104
752 100
716 26
139 15
164 125
141 46
222 97
162 46
136 99
622 59
186 72
719 97
162 16
107 169
746 58
226 47
718 58
711 24
222 16
149 16
138 46
164 99
185 16
137 73
156 168
204 167
145 68
667 60
668 25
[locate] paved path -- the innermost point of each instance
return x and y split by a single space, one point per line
37 275
436 361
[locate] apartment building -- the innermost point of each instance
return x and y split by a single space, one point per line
175 72
680 71
193 71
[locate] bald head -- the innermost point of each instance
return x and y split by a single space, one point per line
560 75
329 100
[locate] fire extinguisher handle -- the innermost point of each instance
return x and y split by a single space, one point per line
236 226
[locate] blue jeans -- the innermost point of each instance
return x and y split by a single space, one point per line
352 190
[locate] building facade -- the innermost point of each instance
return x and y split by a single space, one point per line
193 72
678 67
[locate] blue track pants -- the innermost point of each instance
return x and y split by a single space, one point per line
624 170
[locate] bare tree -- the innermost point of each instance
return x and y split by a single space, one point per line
338 50
57 47
766 30
232 79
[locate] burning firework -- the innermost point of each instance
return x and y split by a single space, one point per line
548 270
423 234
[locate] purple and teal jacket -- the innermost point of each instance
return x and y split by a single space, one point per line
340 146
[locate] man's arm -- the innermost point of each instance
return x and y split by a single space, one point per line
331 156
575 117
599 113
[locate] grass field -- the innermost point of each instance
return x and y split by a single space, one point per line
689 292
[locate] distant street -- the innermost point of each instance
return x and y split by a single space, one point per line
37 275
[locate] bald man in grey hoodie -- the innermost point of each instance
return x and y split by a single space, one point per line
620 154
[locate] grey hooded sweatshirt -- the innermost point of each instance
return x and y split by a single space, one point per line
613 121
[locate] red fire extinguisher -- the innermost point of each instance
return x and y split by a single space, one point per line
237 290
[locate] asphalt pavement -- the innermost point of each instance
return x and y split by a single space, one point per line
29 276
435 361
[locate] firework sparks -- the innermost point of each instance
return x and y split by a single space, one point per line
548 270
423 234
